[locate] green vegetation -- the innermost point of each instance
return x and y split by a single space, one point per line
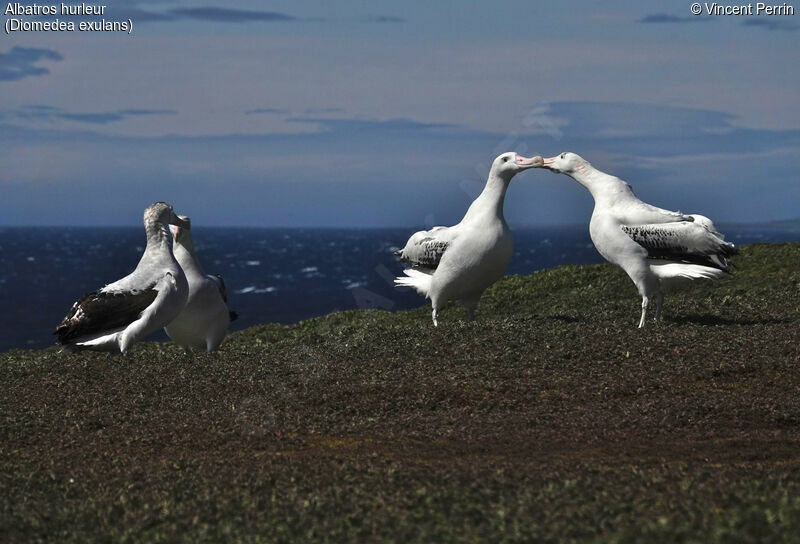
550 419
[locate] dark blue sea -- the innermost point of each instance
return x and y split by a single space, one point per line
273 275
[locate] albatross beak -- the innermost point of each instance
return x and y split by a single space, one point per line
180 221
525 163
548 163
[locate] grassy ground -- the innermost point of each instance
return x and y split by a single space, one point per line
551 419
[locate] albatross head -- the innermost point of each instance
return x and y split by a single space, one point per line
565 163
161 212
182 238
509 164
181 232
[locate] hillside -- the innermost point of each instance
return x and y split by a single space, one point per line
551 418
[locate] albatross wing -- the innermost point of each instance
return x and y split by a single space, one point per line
683 242
425 248
100 312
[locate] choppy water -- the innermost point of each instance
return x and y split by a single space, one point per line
273 275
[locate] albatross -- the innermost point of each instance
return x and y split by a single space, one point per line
657 248
462 261
126 311
203 323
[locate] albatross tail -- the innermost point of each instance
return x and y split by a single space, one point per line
675 272
420 281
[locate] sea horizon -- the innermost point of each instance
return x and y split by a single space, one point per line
788 223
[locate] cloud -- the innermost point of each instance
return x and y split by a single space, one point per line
691 159
49 113
772 24
667 18
638 130
32 112
260 111
217 15
147 112
226 15
351 126
630 119
20 62
240 179
93 118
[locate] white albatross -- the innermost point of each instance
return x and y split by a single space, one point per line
126 311
657 248
462 261
203 323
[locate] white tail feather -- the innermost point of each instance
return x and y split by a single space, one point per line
670 273
420 281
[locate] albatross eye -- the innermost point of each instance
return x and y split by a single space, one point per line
505 159
563 155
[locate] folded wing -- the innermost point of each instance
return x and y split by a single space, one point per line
102 311
425 248
688 242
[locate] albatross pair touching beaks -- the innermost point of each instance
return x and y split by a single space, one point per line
462 261
160 291
655 247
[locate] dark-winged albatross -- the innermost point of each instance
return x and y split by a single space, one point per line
126 311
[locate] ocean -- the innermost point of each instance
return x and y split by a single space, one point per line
272 275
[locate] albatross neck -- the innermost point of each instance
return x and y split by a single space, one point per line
184 254
589 177
158 237
490 200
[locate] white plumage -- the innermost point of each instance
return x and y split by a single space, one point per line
462 261
203 323
657 248
126 311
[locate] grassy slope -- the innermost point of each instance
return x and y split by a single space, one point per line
551 418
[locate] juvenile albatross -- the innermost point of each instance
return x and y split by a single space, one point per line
462 261
655 247
203 323
124 312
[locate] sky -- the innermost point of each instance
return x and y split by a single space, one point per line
371 113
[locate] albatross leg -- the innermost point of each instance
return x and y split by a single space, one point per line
659 302
644 310
435 316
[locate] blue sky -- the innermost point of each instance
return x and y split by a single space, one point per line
376 113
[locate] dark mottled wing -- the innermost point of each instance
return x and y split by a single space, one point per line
425 248
430 254
675 242
99 311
